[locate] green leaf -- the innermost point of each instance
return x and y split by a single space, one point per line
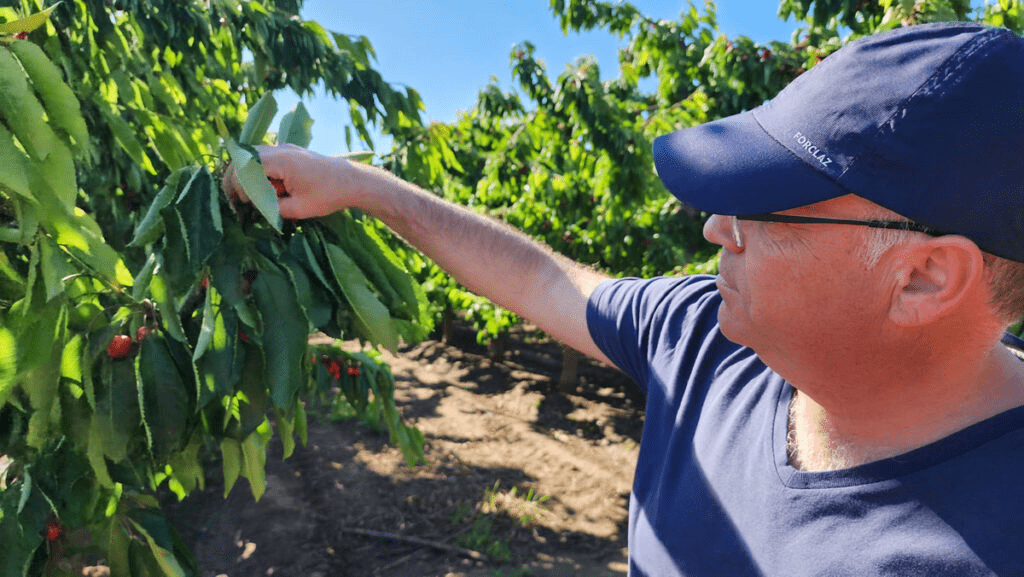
256 184
199 208
231 457
61 104
55 267
220 366
300 248
125 136
167 90
286 430
301 422
187 466
414 301
28 23
206 328
252 388
71 360
176 261
312 296
157 534
140 284
167 140
371 313
117 548
226 273
285 343
295 127
162 396
364 156
116 417
39 331
21 528
42 384
78 232
152 225
254 456
259 119
159 288
22 111
13 172
8 364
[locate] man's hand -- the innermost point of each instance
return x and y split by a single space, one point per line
314 185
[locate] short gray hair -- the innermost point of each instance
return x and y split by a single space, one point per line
1005 277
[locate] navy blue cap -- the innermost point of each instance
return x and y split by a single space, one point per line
927 121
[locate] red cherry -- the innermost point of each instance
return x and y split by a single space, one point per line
21 36
53 531
279 187
119 346
142 333
334 369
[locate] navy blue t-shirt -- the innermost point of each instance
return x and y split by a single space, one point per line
714 493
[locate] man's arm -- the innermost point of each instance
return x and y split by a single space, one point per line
487 257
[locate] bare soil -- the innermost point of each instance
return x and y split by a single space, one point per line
534 481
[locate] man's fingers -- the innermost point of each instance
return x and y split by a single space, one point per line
231 187
290 209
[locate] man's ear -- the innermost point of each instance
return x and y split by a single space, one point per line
933 278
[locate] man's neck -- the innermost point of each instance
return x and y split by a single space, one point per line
899 417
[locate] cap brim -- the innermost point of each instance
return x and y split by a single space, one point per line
732 166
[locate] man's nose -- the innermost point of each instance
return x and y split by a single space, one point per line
718 229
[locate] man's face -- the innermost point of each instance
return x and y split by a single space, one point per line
799 291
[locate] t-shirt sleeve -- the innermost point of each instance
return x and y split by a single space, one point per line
634 320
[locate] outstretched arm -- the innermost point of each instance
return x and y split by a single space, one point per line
487 257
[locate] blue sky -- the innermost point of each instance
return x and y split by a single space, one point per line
449 50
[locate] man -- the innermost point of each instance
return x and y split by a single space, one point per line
841 399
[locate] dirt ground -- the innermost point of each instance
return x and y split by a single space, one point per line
534 480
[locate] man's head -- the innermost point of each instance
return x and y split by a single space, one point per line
926 121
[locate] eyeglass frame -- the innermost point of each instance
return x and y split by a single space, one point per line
906 225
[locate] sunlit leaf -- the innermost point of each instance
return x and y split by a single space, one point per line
296 127
254 459
8 364
28 23
256 184
61 104
259 119
21 110
231 458
125 136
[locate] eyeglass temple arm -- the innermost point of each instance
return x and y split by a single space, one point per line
887 224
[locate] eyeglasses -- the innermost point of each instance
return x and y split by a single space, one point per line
907 225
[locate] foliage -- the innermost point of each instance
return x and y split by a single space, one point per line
145 318
567 159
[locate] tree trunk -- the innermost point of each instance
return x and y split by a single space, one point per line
497 347
448 325
569 378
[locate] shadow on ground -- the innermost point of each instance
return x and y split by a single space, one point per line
535 480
